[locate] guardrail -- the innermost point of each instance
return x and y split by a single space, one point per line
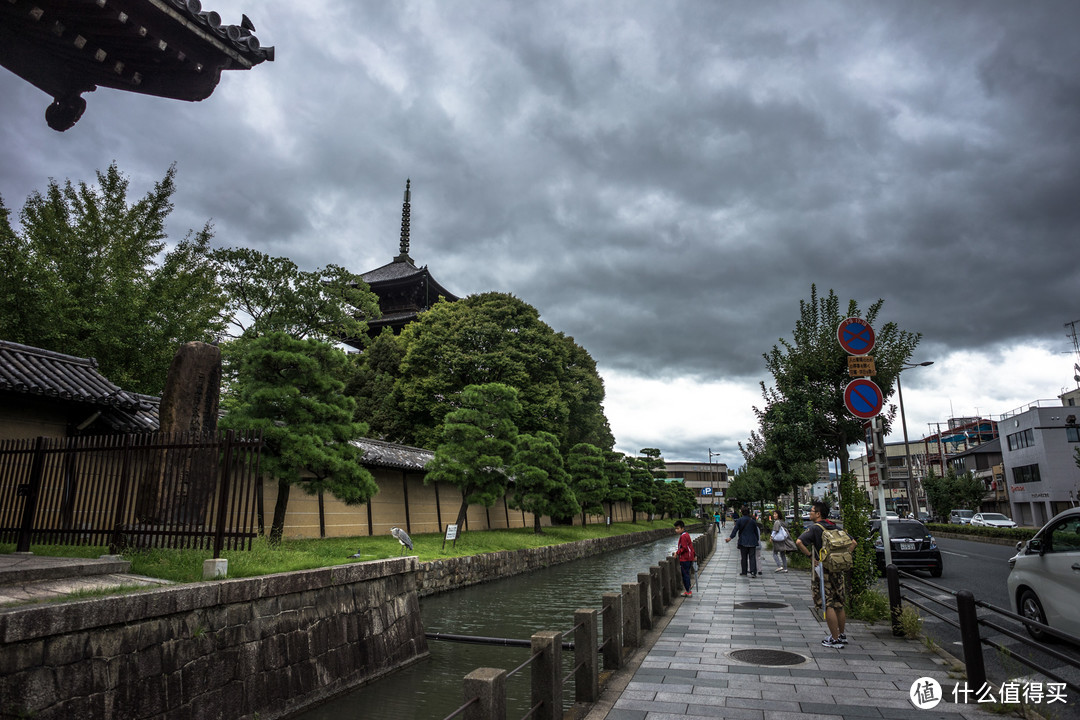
968 621
626 614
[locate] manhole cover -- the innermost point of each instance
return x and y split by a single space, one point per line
759 656
759 605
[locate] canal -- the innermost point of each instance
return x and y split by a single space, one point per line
515 607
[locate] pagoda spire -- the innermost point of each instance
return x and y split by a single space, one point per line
403 249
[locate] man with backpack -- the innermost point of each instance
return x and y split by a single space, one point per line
830 549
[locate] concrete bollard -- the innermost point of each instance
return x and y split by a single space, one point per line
586 660
676 578
631 609
613 630
489 685
215 568
546 680
645 599
656 586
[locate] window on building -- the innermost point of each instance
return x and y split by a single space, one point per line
1072 434
1022 439
1026 474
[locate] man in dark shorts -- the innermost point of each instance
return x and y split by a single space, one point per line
809 544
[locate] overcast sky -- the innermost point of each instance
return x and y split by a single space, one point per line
661 180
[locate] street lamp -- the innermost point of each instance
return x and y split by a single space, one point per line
713 480
912 501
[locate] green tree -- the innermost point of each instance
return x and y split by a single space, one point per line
953 491
805 417
674 499
91 274
496 338
642 488
271 294
855 510
588 478
748 485
616 478
372 384
541 484
291 391
478 445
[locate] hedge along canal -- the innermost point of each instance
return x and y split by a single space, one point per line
511 607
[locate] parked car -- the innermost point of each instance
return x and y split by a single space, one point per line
960 517
891 514
924 517
991 520
912 545
1044 579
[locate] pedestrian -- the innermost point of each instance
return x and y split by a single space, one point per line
723 516
832 584
749 536
782 543
716 519
686 556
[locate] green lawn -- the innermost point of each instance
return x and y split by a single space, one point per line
264 559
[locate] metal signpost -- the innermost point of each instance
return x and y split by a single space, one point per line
864 399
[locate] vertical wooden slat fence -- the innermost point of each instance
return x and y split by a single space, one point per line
152 490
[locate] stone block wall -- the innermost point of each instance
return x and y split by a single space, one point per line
254 647
452 573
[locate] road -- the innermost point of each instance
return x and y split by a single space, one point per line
983 569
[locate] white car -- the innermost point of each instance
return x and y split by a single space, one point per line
1044 582
991 520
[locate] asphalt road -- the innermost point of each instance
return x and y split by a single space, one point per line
983 569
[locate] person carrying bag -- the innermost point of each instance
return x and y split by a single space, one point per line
782 543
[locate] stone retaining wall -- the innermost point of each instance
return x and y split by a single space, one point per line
442 575
254 647
239 649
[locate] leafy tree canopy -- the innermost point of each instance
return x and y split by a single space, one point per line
91 274
271 294
478 445
541 484
587 469
496 338
952 491
291 390
804 416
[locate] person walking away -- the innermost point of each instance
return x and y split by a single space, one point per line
716 519
686 555
782 543
829 548
746 528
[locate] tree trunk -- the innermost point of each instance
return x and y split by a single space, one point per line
460 522
277 527
536 524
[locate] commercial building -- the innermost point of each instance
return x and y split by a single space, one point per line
709 481
1038 448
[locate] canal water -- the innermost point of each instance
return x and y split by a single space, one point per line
515 607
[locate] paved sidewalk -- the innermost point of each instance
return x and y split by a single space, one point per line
690 672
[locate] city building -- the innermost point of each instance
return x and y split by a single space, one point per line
1038 448
709 481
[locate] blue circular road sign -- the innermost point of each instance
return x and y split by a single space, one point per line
855 336
863 398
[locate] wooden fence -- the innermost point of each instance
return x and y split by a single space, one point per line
150 490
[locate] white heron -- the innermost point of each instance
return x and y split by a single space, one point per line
403 538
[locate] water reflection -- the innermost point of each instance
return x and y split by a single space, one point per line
515 607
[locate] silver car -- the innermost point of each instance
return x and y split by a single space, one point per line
1044 582
992 520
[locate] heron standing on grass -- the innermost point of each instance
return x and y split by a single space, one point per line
403 538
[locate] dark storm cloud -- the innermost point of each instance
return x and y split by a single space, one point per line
663 182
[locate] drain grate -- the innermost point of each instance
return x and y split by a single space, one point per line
759 605
759 656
